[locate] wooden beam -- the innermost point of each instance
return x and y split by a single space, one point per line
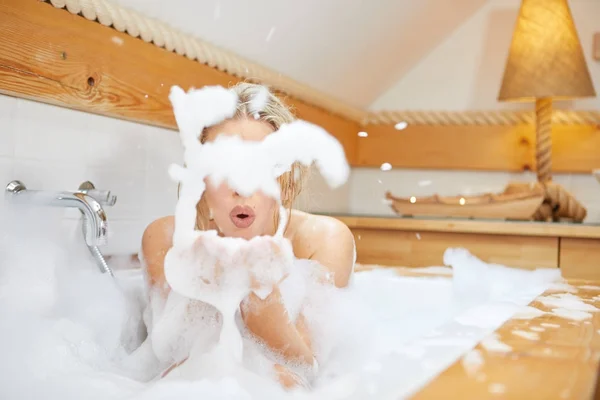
486 148
53 56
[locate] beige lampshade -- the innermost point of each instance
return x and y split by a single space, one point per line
545 59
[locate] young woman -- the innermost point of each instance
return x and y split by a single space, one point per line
318 238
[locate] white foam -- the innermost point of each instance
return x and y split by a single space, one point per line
529 312
414 335
575 315
494 345
497 388
589 287
525 334
472 362
549 325
562 287
258 102
567 301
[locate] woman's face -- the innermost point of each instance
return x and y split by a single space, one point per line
235 215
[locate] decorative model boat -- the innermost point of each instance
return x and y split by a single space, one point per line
511 204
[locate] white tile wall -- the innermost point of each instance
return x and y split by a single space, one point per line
8 107
161 151
6 174
53 148
316 196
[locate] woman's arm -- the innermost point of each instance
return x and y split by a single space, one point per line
156 242
335 250
268 319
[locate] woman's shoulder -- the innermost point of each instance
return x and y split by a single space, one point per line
324 239
159 232
314 226
156 242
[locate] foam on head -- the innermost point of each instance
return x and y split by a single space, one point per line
259 102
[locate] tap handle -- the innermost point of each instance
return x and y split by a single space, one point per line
104 197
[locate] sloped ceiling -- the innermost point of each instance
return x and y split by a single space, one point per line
350 49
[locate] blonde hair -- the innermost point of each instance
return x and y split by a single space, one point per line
276 114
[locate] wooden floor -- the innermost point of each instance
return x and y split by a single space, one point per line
549 356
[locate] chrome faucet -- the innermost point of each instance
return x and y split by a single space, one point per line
87 199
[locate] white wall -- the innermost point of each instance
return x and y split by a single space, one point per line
464 73
54 148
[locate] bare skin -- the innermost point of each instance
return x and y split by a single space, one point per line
319 238
323 239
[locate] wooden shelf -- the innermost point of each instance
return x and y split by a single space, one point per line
489 227
421 242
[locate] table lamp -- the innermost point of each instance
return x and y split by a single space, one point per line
546 63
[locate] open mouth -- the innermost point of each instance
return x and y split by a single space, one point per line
242 216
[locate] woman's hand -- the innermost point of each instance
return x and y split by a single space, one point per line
268 260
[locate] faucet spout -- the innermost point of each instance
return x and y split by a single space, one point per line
95 217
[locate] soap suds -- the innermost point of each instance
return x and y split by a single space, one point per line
566 301
493 344
549 325
529 312
497 388
525 334
472 362
259 102
589 287
561 287
574 315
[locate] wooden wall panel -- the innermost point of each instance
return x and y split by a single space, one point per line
580 258
332 124
411 249
491 147
51 55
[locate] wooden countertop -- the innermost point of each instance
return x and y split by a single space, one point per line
550 357
490 227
